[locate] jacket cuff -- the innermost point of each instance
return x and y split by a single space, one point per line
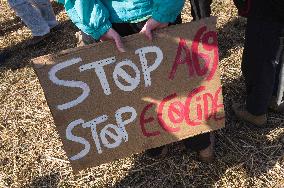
101 30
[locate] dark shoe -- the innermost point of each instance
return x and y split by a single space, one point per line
242 114
4 55
282 139
36 39
207 155
274 107
158 152
55 28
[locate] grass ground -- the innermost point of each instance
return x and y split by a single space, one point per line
31 153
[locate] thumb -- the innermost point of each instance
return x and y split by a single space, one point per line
119 44
148 34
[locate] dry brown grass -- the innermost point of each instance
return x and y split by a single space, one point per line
31 154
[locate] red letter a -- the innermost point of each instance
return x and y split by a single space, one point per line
181 60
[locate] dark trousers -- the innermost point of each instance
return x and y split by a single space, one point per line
200 9
124 29
261 63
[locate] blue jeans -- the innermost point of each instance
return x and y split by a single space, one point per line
38 15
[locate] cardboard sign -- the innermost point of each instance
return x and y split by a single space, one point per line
107 105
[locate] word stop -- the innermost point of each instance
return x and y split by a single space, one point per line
98 66
107 131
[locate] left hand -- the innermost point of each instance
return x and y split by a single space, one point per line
151 25
111 34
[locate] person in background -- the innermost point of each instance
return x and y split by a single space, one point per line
38 15
117 18
101 20
199 9
263 57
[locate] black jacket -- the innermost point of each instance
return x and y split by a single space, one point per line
269 10
278 9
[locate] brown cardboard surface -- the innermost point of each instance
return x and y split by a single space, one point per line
158 103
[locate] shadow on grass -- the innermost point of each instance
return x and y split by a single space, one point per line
16 23
230 36
21 54
48 181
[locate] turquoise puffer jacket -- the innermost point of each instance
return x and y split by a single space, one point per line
94 17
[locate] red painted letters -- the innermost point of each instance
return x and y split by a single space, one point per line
177 112
199 64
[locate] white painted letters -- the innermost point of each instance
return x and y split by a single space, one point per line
117 133
77 139
118 71
99 68
121 124
69 83
148 69
117 138
100 72
93 125
110 135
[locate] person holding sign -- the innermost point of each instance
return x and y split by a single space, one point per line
101 20
262 61
109 20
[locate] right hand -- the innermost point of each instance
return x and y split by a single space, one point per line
111 34
151 25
